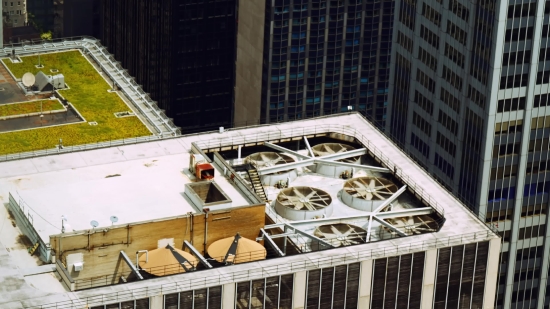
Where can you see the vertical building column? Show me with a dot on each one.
(228, 296)
(156, 302)
(491, 275)
(299, 291)
(365, 284)
(428, 282)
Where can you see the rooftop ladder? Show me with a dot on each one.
(256, 183)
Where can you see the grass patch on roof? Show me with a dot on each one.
(23, 108)
(87, 93)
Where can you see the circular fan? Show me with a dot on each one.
(370, 188)
(341, 234)
(304, 198)
(412, 225)
(267, 159)
(332, 148)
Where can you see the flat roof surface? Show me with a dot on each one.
(153, 174)
(134, 190)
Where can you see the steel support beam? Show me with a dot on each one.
(309, 147)
(391, 227)
(271, 243)
(391, 199)
(201, 258)
(132, 266)
(285, 167)
(368, 229)
(344, 155)
(358, 166)
(283, 149)
(405, 213)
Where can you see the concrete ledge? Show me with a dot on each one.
(37, 270)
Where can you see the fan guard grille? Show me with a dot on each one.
(267, 159)
(304, 198)
(332, 148)
(370, 188)
(341, 234)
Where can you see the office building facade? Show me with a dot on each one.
(182, 52)
(469, 97)
(326, 57)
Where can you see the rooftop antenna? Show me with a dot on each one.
(113, 219)
(94, 224)
(63, 220)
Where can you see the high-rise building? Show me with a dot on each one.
(77, 18)
(326, 57)
(185, 54)
(41, 14)
(233, 63)
(469, 97)
(15, 13)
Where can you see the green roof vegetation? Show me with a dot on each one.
(23, 108)
(87, 93)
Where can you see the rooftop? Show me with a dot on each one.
(102, 103)
(146, 182)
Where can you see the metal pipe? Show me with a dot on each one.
(205, 231)
(146, 257)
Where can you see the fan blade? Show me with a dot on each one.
(369, 196)
(335, 230)
(372, 184)
(311, 194)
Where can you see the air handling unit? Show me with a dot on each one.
(331, 170)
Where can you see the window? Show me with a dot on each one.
(423, 102)
(541, 100)
(450, 100)
(447, 122)
(422, 124)
(452, 78)
(404, 41)
(522, 10)
(422, 147)
(457, 33)
(513, 104)
(444, 166)
(476, 96)
(506, 149)
(459, 9)
(431, 14)
(425, 80)
(518, 80)
(519, 34)
(427, 59)
(519, 57)
(454, 55)
(508, 127)
(429, 36)
(446, 144)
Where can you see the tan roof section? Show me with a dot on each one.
(161, 262)
(247, 250)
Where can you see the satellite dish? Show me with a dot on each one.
(94, 223)
(28, 79)
(114, 219)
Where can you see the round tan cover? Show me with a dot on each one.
(247, 250)
(162, 262)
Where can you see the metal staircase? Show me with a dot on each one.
(256, 183)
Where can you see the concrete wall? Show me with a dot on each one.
(250, 45)
(101, 247)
